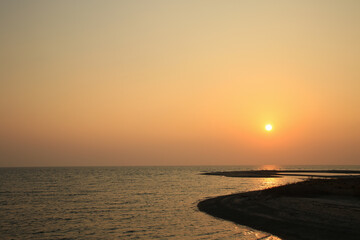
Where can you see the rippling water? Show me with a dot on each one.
(119, 203)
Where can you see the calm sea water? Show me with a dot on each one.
(121, 202)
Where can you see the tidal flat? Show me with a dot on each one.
(317, 208)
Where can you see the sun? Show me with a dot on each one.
(268, 127)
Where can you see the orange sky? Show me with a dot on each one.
(179, 82)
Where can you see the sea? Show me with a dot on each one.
(124, 202)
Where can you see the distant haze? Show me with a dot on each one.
(179, 82)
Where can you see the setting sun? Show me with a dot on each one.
(268, 127)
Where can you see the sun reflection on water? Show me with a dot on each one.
(269, 167)
(270, 182)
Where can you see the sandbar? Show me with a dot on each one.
(317, 208)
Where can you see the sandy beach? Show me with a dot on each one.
(312, 209)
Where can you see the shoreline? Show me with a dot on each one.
(282, 173)
(311, 209)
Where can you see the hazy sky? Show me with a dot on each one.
(179, 82)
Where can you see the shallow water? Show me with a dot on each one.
(121, 202)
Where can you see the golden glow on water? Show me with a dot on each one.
(139, 202)
(269, 167)
(270, 182)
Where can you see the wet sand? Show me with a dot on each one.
(313, 209)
